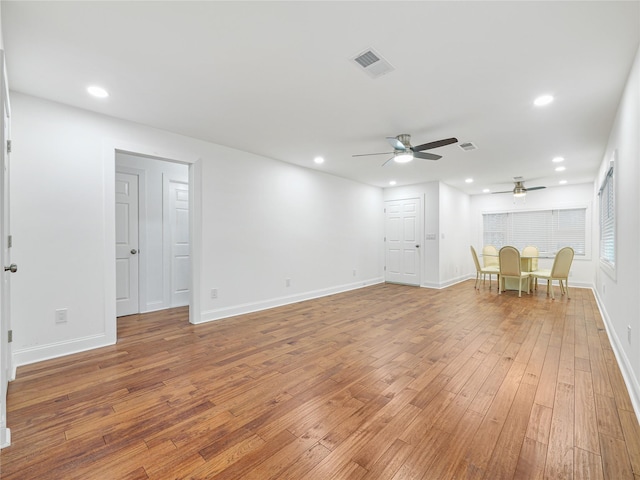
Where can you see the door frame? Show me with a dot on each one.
(419, 236)
(110, 149)
(7, 372)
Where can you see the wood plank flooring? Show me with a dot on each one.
(385, 382)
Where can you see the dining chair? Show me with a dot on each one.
(510, 267)
(483, 271)
(559, 271)
(490, 256)
(532, 252)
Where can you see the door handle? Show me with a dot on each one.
(133, 251)
(13, 268)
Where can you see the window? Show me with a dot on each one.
(607, 220)
(549, 230)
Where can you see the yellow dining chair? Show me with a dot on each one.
(490, 256)
(482, 271)
(510, 268)
(559, 271)
(531, 251)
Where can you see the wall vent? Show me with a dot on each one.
(467, 146)
(372, 63)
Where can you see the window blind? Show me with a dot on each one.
(607, 220)
(549, 230)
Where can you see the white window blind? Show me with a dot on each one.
(607, 221)
(549, 230)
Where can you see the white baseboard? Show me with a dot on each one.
(226, 312)
(630, 379)
(39, 353)
(5, 437)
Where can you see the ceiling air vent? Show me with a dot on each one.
(372, 63)
(467, 146)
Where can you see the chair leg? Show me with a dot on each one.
(520, 288)
(475, 285)
(566, 288)
(553, 297)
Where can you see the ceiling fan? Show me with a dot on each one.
(403, 152)
(519, 190)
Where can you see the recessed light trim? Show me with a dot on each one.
(557, 159)
(486, 190)
(543, 100)
(562, 182)
(97, 91)
(318, 160)
(392, 182)
(561, 168)
(468, 180)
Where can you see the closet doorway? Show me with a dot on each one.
(152, 234)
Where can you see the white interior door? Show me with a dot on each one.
(127, 264)
(179, 235)
(6, 369)
(402, 246)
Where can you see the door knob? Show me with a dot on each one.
(13, 268)
(417, 246)
(133, 251)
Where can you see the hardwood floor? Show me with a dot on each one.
(386, 382)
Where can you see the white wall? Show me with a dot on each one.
(618, 294)
(567, 196)
(257, 222)
(153, 267)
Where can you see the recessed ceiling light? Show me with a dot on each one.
(560, 169)
(469, 180)
(562, 182)
(543, 100)
(98, 92)
(392, 182)
(486, 190)
(558, 159)
(318, 160)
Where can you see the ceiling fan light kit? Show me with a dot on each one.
(519, 190)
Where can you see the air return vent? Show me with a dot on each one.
(372, 63)
(467, 146)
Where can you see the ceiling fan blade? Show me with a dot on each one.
(388, 160)
(426, 156)
(436, 144)
(395, 143)
(368, 154)
(534, 188)
(506, 191)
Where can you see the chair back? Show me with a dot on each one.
(531, 251)
(510, 262)
(490, 256)
(475, 258)
(562, 263)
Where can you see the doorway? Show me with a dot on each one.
(402, 228)
(153, 265)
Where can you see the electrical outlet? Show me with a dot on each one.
(629, 334)
(214, 293)
(287, 282)
(61, 315)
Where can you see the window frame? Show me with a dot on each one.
(608, 185)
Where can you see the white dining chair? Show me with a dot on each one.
(510, 267)
(559, 271)
(483, 271)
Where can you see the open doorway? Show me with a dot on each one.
(153, 265)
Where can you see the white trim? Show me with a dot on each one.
(630, 380)
(40, 353)
(242, 309)
(5, 438)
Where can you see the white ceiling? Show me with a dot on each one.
(275, 78)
